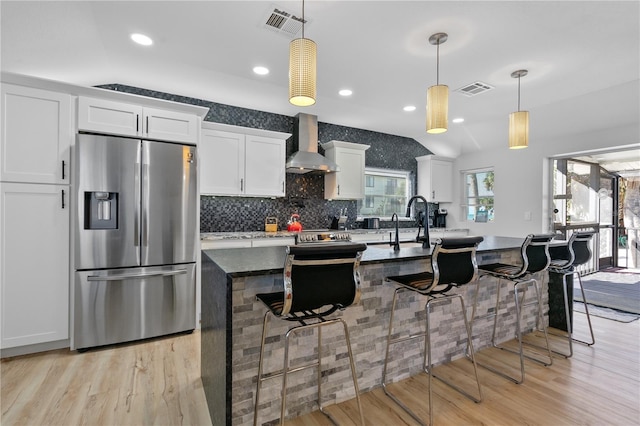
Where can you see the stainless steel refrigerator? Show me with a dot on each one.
(135, 239)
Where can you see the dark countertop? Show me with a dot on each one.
(270, 260)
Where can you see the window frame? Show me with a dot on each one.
(465, 204)
(393, 173)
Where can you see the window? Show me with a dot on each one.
(479, 195)
(386, 192)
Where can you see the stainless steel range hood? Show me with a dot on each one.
(307, 159)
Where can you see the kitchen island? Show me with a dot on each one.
(232, 325)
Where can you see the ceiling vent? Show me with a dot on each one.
(474, 89)
(283, 22)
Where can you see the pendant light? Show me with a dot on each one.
(438, 95)
(519, 120)
(302, 70)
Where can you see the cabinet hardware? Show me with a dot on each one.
(241, 184)
(338, 189)
(282, 186)
(433, 195)
(62, 193)
(137, 123)
(62, 169)
(147, 124)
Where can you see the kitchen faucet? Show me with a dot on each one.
(396, 244)
(425, 220)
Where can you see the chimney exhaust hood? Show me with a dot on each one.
(307, 159)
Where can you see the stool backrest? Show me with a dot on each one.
(322, 274)
(536, 252)
(579, 247)
(453, 261)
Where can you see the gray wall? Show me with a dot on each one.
(304, 193)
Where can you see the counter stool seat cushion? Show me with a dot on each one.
(503, 270)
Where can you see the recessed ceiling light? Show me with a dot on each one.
(458, 120)
(345, 92)
(141, 39)
(261, 70)
(409, 108)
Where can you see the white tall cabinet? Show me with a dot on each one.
(435, 178)
(348, 183)
(37, 132)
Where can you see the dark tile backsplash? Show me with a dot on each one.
(305, 193)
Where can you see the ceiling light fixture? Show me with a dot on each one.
(261, 70)
(519, 120)
(438, 95)
(458, 120)
(345, 92)
(142, 39)
(302, 70)
(409, 108)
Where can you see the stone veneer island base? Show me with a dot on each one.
(232, 326)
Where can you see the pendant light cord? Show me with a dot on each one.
(302, 18)
(518, 93)
(438, 63)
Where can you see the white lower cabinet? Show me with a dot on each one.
(34, 263)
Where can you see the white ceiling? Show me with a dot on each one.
(582, 57)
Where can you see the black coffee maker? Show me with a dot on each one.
(440, 218)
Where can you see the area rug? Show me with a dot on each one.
(607, 313)
(614, 290)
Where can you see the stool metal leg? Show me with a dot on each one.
(586, 309)
(427, 358)
(260, 366)
(568, 310)
(519, 302)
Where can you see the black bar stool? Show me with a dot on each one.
(318, 280)
(534, 258)
(453, 262)
(564, 261)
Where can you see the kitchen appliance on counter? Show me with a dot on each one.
(294, 224)
(440, 218)
(371, 223)
(134, 240)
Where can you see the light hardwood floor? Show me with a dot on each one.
(157, 382)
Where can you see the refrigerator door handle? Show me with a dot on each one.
(135, 276)
(136, 214)
(145, 213)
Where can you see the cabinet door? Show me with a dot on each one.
(441, 181)
(264, 166)
(348, 183)
(110, 117)
(221, 163)
(170, 125)
(34, 260)
(36, 135)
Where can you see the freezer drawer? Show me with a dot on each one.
(113, 306)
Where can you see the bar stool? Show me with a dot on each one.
(535, 258)
(453, 262)
(318, 279)
(564, 261)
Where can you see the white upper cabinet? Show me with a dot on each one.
(120, 118)
(242, 163)
(348, 183)
(435, 178)
(36, 135)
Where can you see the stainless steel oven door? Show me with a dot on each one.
(113, 306)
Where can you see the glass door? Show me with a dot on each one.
(576, 205)
(608, 212)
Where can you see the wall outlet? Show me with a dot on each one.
(527, 215)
